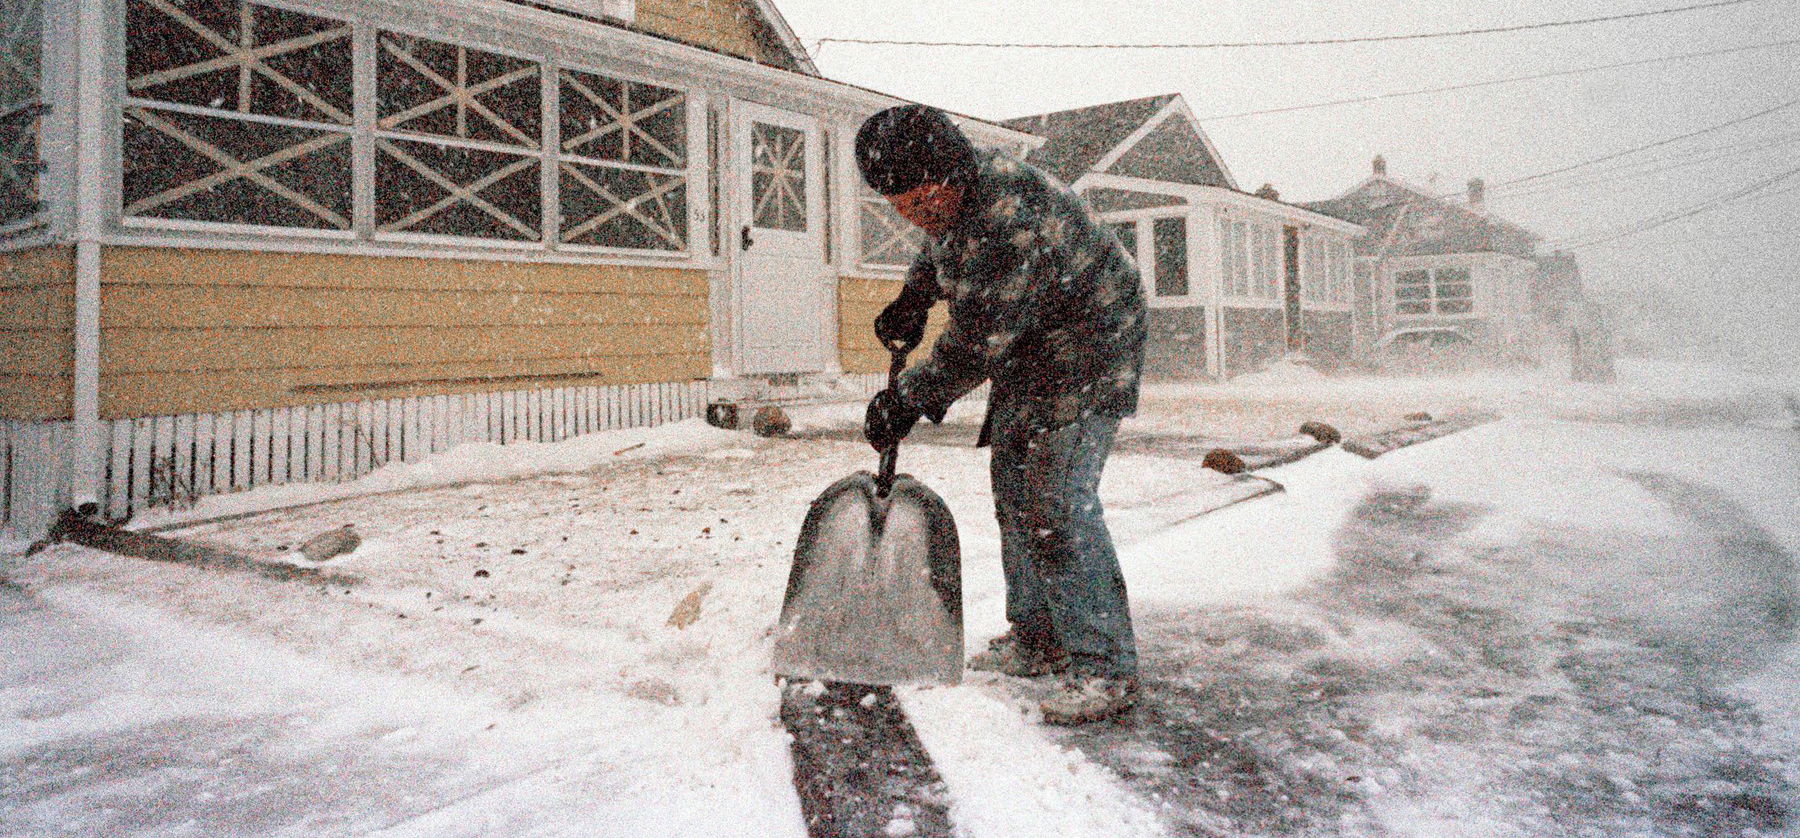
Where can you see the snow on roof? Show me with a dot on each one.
(1382, 201)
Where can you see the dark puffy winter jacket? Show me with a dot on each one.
(1043, 302)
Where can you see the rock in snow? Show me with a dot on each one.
(331, 543)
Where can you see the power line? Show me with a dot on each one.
(1647, 146)
(1776, 194)
(1624, 173)
(1624, 169)
(1687, 212)
(1296, 43)
(1492, 82)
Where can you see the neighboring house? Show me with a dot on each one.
(1235, 280)
(295, 240)
(1433, 266)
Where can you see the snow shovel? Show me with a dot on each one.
(875, 593)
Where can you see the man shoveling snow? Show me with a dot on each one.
(1044, 303)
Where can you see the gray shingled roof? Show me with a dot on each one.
(1077, 139)
(1437, 226)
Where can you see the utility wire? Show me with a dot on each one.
(1492, 82)
(820, 43)
(1617, 175)
(1647, 146)
(1776, 194)
(1686, 212)
(1626, 169)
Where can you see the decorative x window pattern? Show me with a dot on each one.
(450, 190)
(249, 114)
(609, 207)
(453, 111)
(777, 177)
(238, 113)
(448, 90)
(887, 239)
(623, 179)
(239, 57)
(186, 166)
(622, 121)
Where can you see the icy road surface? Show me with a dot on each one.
(1578, 620)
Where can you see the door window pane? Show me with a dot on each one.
(778, 177)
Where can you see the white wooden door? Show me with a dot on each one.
(782, 291)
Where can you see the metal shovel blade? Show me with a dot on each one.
(875, 593)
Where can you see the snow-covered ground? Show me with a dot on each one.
(1579, 619)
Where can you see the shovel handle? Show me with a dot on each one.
(890, 456)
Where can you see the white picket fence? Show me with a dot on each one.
(34, 468)
(174, 460)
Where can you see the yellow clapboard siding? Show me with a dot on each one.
(36, 397)
(876, 292)
(37, 336)
(37, 266)
(859, 301)
(38, 307)
(196, 330)
(147, 306)
(729, 26)
(150, 350)
(37, 352)
(238, 268)
(167, 393)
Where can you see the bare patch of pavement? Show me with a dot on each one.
(1572, 683)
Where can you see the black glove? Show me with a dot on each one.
(888, 420)
(901, 325)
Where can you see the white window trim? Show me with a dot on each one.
(1144, 221)
(1329, 293)
(1476, 310)
(26, 234)
(1251, 221)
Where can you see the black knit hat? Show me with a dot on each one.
(902, 147)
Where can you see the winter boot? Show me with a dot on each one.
(1007, 656)
(1089, 698)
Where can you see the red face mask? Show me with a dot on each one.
(932, 206)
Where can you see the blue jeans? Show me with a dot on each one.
(1063, 585)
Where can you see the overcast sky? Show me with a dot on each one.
(1735, 263)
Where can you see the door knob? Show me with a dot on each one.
(747, 241)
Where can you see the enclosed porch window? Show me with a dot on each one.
(240, 114)
(1434, 291)
(1250, 252)
(888, 240)
(21, 111)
